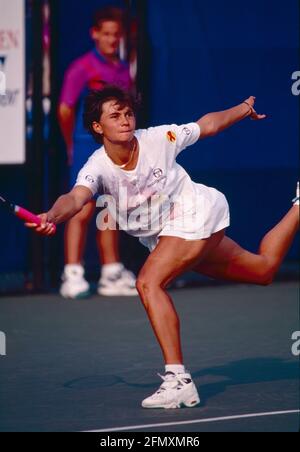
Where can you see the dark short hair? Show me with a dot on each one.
(94, 101)
(108, 14)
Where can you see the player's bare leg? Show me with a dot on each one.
(231, 262)
(171, 257)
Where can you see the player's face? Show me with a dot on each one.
(107, 37)
(117, 124)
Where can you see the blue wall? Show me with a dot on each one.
(208, 56)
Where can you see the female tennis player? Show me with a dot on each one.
(183, 223)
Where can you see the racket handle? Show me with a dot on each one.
(29, 217)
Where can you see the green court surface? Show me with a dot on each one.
(86, 365)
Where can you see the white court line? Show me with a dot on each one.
(197, 421)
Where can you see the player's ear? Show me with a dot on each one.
(97, 128)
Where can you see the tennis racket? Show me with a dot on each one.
(21, 213)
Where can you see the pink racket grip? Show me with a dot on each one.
(29, 217)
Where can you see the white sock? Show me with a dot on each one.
(73, 267)
(108, 270)
(175, 368)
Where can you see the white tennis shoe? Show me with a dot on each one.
(177, 391)
(74, 284)
(123, 283)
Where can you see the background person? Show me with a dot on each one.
(94, 70)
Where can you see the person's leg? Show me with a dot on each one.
(74, 283)
(108, 246)
(171, 257)
(231, 262)
(115, 279)
(75, 234)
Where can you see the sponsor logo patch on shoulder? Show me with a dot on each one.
(171, 136)
(187, 131)
(90, 179)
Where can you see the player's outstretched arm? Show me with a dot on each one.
(214, 123)
(64, 208)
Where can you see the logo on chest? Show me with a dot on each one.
(159, 176)
(158, 173)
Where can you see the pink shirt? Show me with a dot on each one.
(92, 71)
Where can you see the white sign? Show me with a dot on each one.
(12, 81)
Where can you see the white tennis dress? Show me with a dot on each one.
(158, 198)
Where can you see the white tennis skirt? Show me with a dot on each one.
(207, 214)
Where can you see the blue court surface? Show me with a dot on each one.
(86, 365)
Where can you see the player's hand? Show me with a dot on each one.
(46, 228)
(254, 115)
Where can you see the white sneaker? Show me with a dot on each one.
(176, 391)
(74, 284)
(123, 283)
(296, 201)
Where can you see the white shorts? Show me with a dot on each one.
(210, 215)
